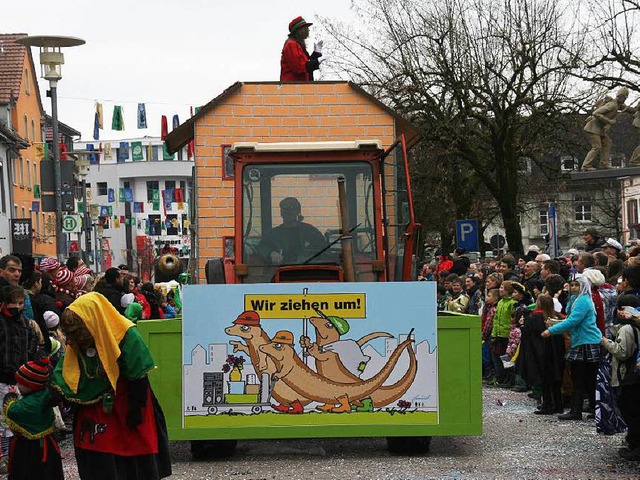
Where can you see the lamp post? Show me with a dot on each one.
(51, 60)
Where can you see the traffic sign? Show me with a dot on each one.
(498, 241)
(467, 234)
(71, 224)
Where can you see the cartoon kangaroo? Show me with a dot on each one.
(293, 372)
(247, 326)
(329, 362)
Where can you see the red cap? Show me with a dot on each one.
(248, 317)
(297, 23)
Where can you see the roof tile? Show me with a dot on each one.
(12, 57)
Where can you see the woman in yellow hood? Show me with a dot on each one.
(119, 428)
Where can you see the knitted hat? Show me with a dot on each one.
(297, 23)
(133, 312)
(283, 336)
(248, 317)
(534, 248)
(595, 277)
(82, 270)
(34, 374)
(127, 299)
(64, 277)
(80, 281)
(49, 264)
(51, 319)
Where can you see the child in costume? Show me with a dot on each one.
(34, 451)
(119, 427)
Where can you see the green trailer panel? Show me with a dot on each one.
(459, 378)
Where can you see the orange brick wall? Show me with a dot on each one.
(273, 113)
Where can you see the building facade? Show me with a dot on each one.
(138, 197)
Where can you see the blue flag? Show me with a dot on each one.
(111, 195)
(96, 127)
(142, 116)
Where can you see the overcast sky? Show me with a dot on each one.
(169, 55)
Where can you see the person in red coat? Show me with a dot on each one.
(296, 65)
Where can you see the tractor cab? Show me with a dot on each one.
(322, 211)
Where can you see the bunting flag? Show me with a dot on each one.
(80, 206)
(175, 121)
(128, 195)
(191, 146)
(136, 151)
(99, 115)
(104, 211)
(149, 153)
(117, 122)
(111, 195)
(36, 191)
(96, 127)
(35, 206)
(107, 150)
(137, 207)
(146, 226)
(164, 129)
(165, 152)
(110, 210)
(93, 158)
(155, 199)
(164, 202)
(121, 194)
(142, 116)
(116, 222)
(123, 151)
(177, 195)
(122, 218)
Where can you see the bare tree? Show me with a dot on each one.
(611, 26)
(487, 81)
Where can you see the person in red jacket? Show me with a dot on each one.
(296, 65)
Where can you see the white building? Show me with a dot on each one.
(139, 198)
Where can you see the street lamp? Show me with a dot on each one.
(51, 60)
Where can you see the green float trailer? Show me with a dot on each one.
(460, 395)
(358, 196)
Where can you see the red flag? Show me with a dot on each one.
(164, 203)
(177, 195)
(164, 129)
(190, 149)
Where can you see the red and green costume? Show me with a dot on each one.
(34, 453)
(119, 425)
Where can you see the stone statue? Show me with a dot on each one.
(597, 128)
(634, 161)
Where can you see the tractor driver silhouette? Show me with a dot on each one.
(294, 240)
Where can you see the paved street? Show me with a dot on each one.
(515, 444)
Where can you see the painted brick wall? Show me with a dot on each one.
(273, 113)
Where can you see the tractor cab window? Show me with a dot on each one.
(292, 217)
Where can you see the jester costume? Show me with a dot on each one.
(119, 428)
(34, 452)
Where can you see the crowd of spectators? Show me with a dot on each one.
(563, 330)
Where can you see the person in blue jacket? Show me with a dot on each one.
(584, 353)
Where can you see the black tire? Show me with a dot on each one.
(214, 271)
(408, 445)
(212, 449)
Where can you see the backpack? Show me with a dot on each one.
(632, 375)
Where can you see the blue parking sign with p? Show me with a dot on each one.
(467, 235)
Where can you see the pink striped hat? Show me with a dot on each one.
(49, 264)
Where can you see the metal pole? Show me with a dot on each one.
(60, 243)
(86, 222)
